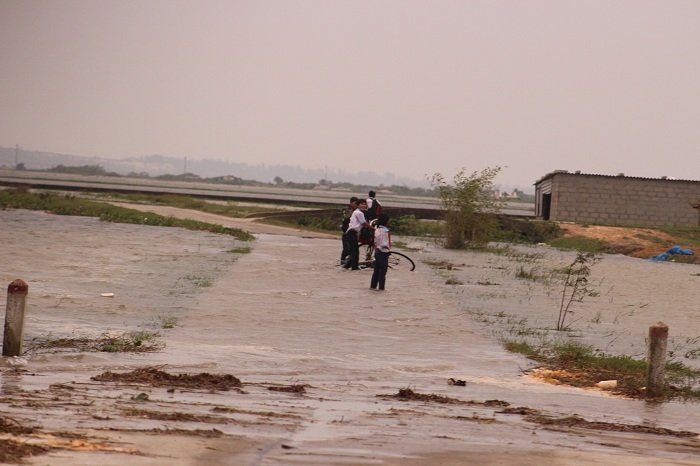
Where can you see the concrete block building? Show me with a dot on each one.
(617, 200)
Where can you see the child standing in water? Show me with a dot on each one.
(382, 248)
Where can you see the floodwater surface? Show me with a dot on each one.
(286, 315)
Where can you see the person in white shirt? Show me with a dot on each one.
(382, 249)
(357, 221)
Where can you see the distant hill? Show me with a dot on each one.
(157, 165)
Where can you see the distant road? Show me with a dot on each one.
(47, 180)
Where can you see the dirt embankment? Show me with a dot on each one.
(635, 242)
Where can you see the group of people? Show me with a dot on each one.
(358, 217)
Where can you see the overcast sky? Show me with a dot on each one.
(402, 86)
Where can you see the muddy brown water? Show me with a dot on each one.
(286, 315)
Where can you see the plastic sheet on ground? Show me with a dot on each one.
(672, 252)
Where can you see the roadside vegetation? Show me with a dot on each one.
(468, 208)
(581, 243)
(71, 205)
(580, 365)
(561, 358)
(228, 209)
(576, 285)
(405, 225)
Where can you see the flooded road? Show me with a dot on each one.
(285, 315)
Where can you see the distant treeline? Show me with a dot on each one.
(98, 170)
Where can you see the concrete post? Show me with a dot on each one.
(658, 340)
(14, 318)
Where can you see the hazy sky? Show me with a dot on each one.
(403, 86)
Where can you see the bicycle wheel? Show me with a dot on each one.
(400, 261)
(367, 252)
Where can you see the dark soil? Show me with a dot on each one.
(12, 426)
(13, 452)
(122, 343)
(207, 433)
(575, 421)
(174, 416)
(299, 389)
(156, 378)
(406, 394)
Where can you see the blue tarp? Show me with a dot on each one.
(673, 251)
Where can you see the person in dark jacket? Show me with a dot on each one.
(374, 207)
(347, 213)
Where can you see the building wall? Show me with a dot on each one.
(620, 200)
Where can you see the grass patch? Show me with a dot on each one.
(317, 223)
(309, 223)
(499, 250)
(409, 225)
(168, 322)
(442, 265)
(226, 208)
(522, 347)
(71, 205)
(453, 281)
(240, 250)
(527, 231)
(687, 236)
(581, 243)
(403, 245)
(200, 282)
(651, 238)
(579, 365)
(531, 273)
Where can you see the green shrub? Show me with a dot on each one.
(468, 208)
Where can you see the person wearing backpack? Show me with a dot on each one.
(374, 208)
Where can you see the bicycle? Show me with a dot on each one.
(397, 260)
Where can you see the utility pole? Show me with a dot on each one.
(16, 155)
(185, 172)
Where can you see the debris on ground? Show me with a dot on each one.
(157, 378)
(675, 250)
(299, 389)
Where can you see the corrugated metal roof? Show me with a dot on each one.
(619, 175)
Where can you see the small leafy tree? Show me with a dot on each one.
(468, 207)
(576, 284)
